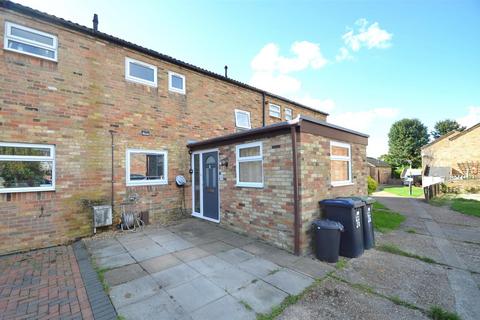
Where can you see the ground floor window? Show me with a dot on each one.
(26, 167)
(341, 163)
(250, 165)
(146, 167)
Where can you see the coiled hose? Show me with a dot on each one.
(131, 222)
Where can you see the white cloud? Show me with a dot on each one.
(343, 54)
(375, 122)
(281, 84)
(326, 105)
(472, 118)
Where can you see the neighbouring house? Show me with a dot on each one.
(87, 118)
(411, 174)
(380, 171)
(453, 155)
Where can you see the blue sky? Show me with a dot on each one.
(400, 58)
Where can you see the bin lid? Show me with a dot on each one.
(328, 224)
(342, 202)
(364, 199)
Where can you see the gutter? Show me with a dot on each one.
(296, 200)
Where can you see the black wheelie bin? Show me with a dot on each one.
(327, 239)
(367, 221)
(349, 213)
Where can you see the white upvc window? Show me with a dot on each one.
(30, 41)
(340, 163)
(176, 82)
(146, 167)
(26, 167)
(288, 114)
(141, 72)
(242, 119)
(249, 165)
(274, 111)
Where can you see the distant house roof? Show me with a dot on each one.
(452, 135)
(377, 163)
(410, 172)
(112, 39)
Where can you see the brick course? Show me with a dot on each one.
(73, 103)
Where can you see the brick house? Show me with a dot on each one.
(380, 171)
(455, 154)
(89, 118)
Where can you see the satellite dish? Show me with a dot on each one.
(180, 181)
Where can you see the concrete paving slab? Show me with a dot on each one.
(224, 308)
(175, 276)
(191, 254)
(469, 253)
(165, 237)
(124, 274)
(336, 300)
(311, 267)
(280, 257)
(257, 248)
(461, 233)
(108, 251)
(215, 247)
(409, 279)
(237, 240)
(160, 263)
(235, 256)
(133, 291)
(195, 293)
(157, 307)
(259, 267)
(93, 243)
(148, 252)
(115, 261)
(177, 245)
(289, 281)
(260, 296)
(130, 236)
(209, 265)
(138, 243)
(231, 279)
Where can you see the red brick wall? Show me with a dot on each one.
(73, 103)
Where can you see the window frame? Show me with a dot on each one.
(50, 158)
(133, 183)
(270, 105)
(237, 112)
(172, 88)
(8, 36)
(290, 113)
(128, 77)
(341, 158)
(248, 159)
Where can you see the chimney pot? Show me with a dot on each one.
(95, 22)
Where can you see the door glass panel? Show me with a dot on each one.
(196, 182)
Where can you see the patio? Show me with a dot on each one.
(198, 270)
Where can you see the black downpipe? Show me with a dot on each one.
(263, 109)
(112, 171)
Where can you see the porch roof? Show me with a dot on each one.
(302, 123)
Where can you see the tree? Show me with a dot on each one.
(405, 139)
(444, 127)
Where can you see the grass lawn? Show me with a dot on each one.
(404, 191)
(385, 220)
(465, 206)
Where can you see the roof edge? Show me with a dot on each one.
(333, 126)
(9, 5)
(446, 135)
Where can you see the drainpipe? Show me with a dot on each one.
(296, 202)
(263, 109)
(112, 172)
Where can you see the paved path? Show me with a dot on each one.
(42, 284)
(452, 235)
(197, 270)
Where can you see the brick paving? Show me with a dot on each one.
(43, 284)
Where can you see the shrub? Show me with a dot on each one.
(372, 185)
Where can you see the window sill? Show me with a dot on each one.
(18, 190)
(177, 91)
(144, 184)
(255, 186)
(342, 184)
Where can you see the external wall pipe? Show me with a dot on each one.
(112, 169)
(263, 110)
(296, 202)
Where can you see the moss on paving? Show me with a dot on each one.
(341, 263)
(437, 313)
(101, 275)
(391, 248)
(384, 219)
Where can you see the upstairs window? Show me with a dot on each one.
(146, 167)
(288, 114)
(30, 41)
(176, 82)
(140, 72)
(274, 111)
(250, 165)
(242, 119)
(341, 163)
(26, 167)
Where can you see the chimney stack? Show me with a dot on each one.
(95, 22)
(226, 71)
